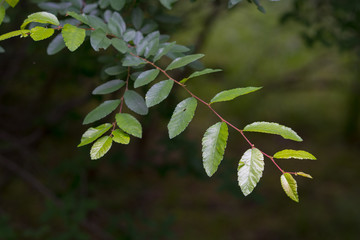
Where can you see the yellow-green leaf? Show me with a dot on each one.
(100, 147)
(298, 154)
(129, 124)
(73, 36)
(120, 136)
(41, 17)
(22, 33)
(289, 185)
(41, 33)
(233, 93)
(94, 133)
(12, 3)
(2, 14)
(304, 175)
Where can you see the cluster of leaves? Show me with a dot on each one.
(144, 53)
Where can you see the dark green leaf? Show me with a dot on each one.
(135, 102)
(182, 61)
(158, 92)
(131, 61)
(289, 185)
(82, 18)
(120, 45)
(213, 146)
(298, 154)
(99, 40)
(250, 170)
(137, 17)
(182, 116)
(41, 33)
(97, 23)
(146, 77)
(273, 128)
(100, 147)
(121, 137)
(116, 24)
(109, 87)
(114, 70)
(129, 124)
(164, 50)
(2, 50)
(94, 133)
(167, 3)
(101, 111)
(56, 45)
(129, 35)
(117, 4)
(41, 17)
(233, 93)
(73, 36)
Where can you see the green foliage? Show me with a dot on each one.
(289, 185)
(233, 93)
(12, 3)
(134, 41)
(250, 169)
(213, 146)
(273, 128)
(182, 116)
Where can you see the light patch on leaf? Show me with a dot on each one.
(289, 185)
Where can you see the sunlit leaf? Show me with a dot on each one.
(100, 147)
(298, 154)
(73, 36)
(304, 174)
(213, 146)
(200, 73)
(41, 33)
(273, 128)
(289, 185)
(41, 17)
(121, 137)
(182, 61)
(12, 3)
(22, 33)
(233, 93)
(101, 111)
(158, 92)
(135, 102)
(129, 124)
(250, 170)
(182, 116)
(94, 133)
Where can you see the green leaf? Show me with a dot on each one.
(273, 128)
(2, 50)
(56, 45)
(232, 3)
(23, 33)
(2, 13)
(146, 77)
(109, 87)
(73, 36)
(158, 92)
(135, 102)
(250, 170)
(101, 111)
(120, 45)
(199, 73)
(100, 147)
(137, 18)
(120, 136)
(298, 154)
(94, 133)
(233, 93)
(182, 61)
(12, 3)
(117, 4)
(82, 18)
(97, 23)
(116, 24)
(213, 146)
(114, 70)
(167, 3)
(41, 33)
(131, 61)
(164, 50)
(129, 124)
(304, 174)
(182, 116)
(289, 185)
(99, 40)
(41, 17)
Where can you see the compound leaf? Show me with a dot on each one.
(94, 133)
(41, 33)
(273, 128)
(135, 102)
(101, 111)
(213, 146)
(289, 185)
(120, 136)
(158, 92)
(182, 61)
(109, 87)
(100, 147)
(146, 77)
(41, 17)
(233, 93)
(298, 154)
(129, 124)
(250, 170)
(73, 36)
(182, 116)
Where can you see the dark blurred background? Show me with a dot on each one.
(306, 55)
